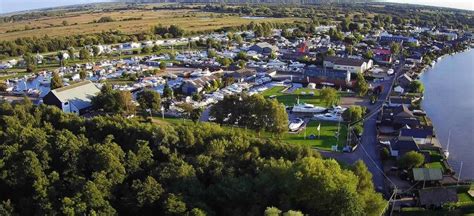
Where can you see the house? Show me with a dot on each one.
(436, 197)
(415, 58)
(348, 64)
(75, 98)
(395, 117)
(398, 89)
(422, 136)
(395, 101)
(196, 85)
(242, 74)
(399, 147)
(324, 76)
(388, 38)
(263, 48)
(404, 80)
(382, 56)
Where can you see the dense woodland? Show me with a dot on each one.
(54, 163)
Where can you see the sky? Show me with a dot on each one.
(459, 4)
(7, 6)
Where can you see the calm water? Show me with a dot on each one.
(7, 6)
(449, 102)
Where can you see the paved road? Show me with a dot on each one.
(368, 149)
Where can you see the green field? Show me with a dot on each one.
(305, 95)
(325, 141)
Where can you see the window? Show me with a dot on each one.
(66, 103)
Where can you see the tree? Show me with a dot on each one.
(411, 160)
(146, 50)
(30, 62)
(361, 86)
(60, 56)
(56, 81)
(95, 51)
(82, 74)
(272, 211)
(71, 52)
(331, 52)
(329, 96)
(147, 192)
(353, 113)
(155, 48)
(125, 102)
(197, 97)
(162, 65)
(369, 54)
(84, 54)
(149, 100)
(416, 86)
(395, 48)
(167, 92)
(225, 62)
(196, 114)
(174, 205)
(211, 53)
(273, 55)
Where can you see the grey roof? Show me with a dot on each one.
(344, 61)
(326, 73)
(417, 132)
(79, 94)
(404, 146)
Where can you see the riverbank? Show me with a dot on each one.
(449, 102)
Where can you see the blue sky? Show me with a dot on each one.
(460, 4)
(7, 6)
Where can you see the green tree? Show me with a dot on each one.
(368, 55)
(146, 50)
(331, 52)
(149, 100)
(417, 86)
(56, 81)
(196, 114)
(361, 86)
(30, 62)
(147, 192)
(84, 54)
(167, 92)
(174, 205)
(95, 51)
(395, 48)
(211, 53)
(272, 211)
(411, 160)
(162, 65)
(71, 52)
(329, 96)
(82, 74)
(353, 113)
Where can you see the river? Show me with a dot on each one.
(449, 102)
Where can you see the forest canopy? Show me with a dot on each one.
(56, 163)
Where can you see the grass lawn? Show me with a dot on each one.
(464, 197)
(305, 95)
(436, 161)
(326, 140)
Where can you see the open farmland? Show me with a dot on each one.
(131, 21)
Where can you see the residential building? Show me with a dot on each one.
(196, 85)
(75, 98)
(348, 64)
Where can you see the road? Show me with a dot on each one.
(368, 150)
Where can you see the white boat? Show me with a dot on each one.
(390, 71)
(295, 124)
(446, 151)
(308, 108)
(328, 117)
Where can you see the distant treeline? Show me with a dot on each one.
(250, 2)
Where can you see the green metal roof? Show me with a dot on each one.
(427, 174)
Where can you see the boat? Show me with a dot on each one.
(295, 124)
(308, 108)
(446, 151)
(328, 117)
(46, 81)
